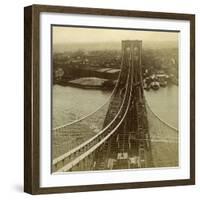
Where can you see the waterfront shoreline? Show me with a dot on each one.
(96, 83)
(90, 83)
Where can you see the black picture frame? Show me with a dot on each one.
(32, 100)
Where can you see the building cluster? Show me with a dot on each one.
(105, 64)
(102, 64)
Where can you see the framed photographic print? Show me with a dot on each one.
(109, 99)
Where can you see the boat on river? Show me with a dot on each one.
(155, 85)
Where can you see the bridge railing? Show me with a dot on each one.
(71, 158)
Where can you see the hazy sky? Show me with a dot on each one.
(73, 34)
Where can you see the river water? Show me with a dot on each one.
(71, 103)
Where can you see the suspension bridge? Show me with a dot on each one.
(124, 133)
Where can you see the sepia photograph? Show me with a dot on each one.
(109, 99)
(114, 98)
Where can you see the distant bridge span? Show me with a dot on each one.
(123, 133)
